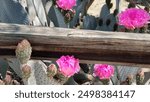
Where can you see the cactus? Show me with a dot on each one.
(140, 78)
(39, 73)
(1, 82)
(23, 51)
(105, 81)
(8, 78)
(51, 70)
(3, 68)
(26, 70)
(128, 81)
(60, 77)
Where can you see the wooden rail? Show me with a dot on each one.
(87, 45)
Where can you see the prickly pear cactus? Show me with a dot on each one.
(23, 51)
(39, 73)
(90, 14)
(26, 71)
(51, 70)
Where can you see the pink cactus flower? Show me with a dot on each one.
(133, 18)
(66, 4)
(103, 71)
(68, 65)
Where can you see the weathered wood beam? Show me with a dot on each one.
(88, 45)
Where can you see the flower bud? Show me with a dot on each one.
(129, 79)
(8, 78)
(140, 77)
(1, 82)
(26, 70)
(51, 70)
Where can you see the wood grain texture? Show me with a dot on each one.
(87, 45)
